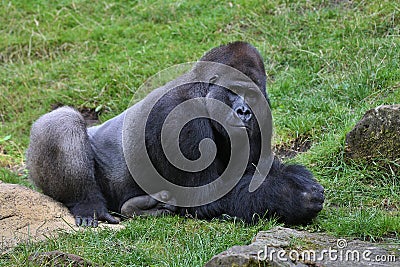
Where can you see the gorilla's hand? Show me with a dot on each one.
(89, 214)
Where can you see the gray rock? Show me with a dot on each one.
(376, 135)
(287, 247)
(58, 258)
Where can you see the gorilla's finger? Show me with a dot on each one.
(86, 222)
(78, 220)
(109, 218)
(94, 223)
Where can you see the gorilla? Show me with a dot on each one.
(198, 146)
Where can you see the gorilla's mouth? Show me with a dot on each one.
(314, 198)
(318, 206)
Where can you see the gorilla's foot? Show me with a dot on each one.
(89, 214)
(148, 205)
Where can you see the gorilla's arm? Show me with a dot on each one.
(289, 192)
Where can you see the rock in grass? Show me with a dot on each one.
(288, 247)
(376, 135)
(58, 258)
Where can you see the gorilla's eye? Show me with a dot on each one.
(252, 96)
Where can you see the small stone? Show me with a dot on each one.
(58, 258)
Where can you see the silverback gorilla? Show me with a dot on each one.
(103, 169)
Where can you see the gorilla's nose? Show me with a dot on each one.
(244, 113)
(318, 193)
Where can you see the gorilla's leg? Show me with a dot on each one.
(60, 162)
(148, 205)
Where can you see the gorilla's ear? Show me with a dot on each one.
(212, 81)
(206, 71)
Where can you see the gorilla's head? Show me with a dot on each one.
(241, 86)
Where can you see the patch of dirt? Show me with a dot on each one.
(29, 216)
(26, 215)
(89, 114)
(289, 150)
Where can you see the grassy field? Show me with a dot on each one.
(327, 61)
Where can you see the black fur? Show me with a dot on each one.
(86, 169)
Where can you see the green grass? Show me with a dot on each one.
(170, 241)
(327, 63)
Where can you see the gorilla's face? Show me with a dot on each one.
(309, 199)
(241, 104)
